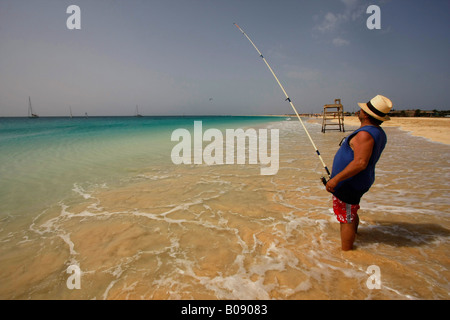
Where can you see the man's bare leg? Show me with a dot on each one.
(348, 234)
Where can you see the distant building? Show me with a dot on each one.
(413, 113)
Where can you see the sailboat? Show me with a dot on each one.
(137, 112)
(30, 110)
(70, 110)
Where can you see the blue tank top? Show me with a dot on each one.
(352, 189)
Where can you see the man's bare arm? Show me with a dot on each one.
(362, 144)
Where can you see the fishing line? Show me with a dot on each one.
(324, 180)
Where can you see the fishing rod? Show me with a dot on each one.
(324, 180)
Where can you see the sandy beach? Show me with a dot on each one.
(107, 199)
(435, 129)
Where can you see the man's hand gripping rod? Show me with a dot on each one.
(324, 180)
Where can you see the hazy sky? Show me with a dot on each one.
(186, 57)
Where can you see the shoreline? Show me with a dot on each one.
(434, 129)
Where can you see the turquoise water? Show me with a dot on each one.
(41, 160)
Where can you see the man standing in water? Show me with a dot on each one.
(353, 170)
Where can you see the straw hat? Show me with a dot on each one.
(378, 107)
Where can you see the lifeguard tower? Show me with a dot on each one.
(333, 112)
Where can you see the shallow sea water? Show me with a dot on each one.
(140, 227)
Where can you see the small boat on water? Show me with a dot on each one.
(30, 110)
(137, 112)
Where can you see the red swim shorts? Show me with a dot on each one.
(345, 213)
